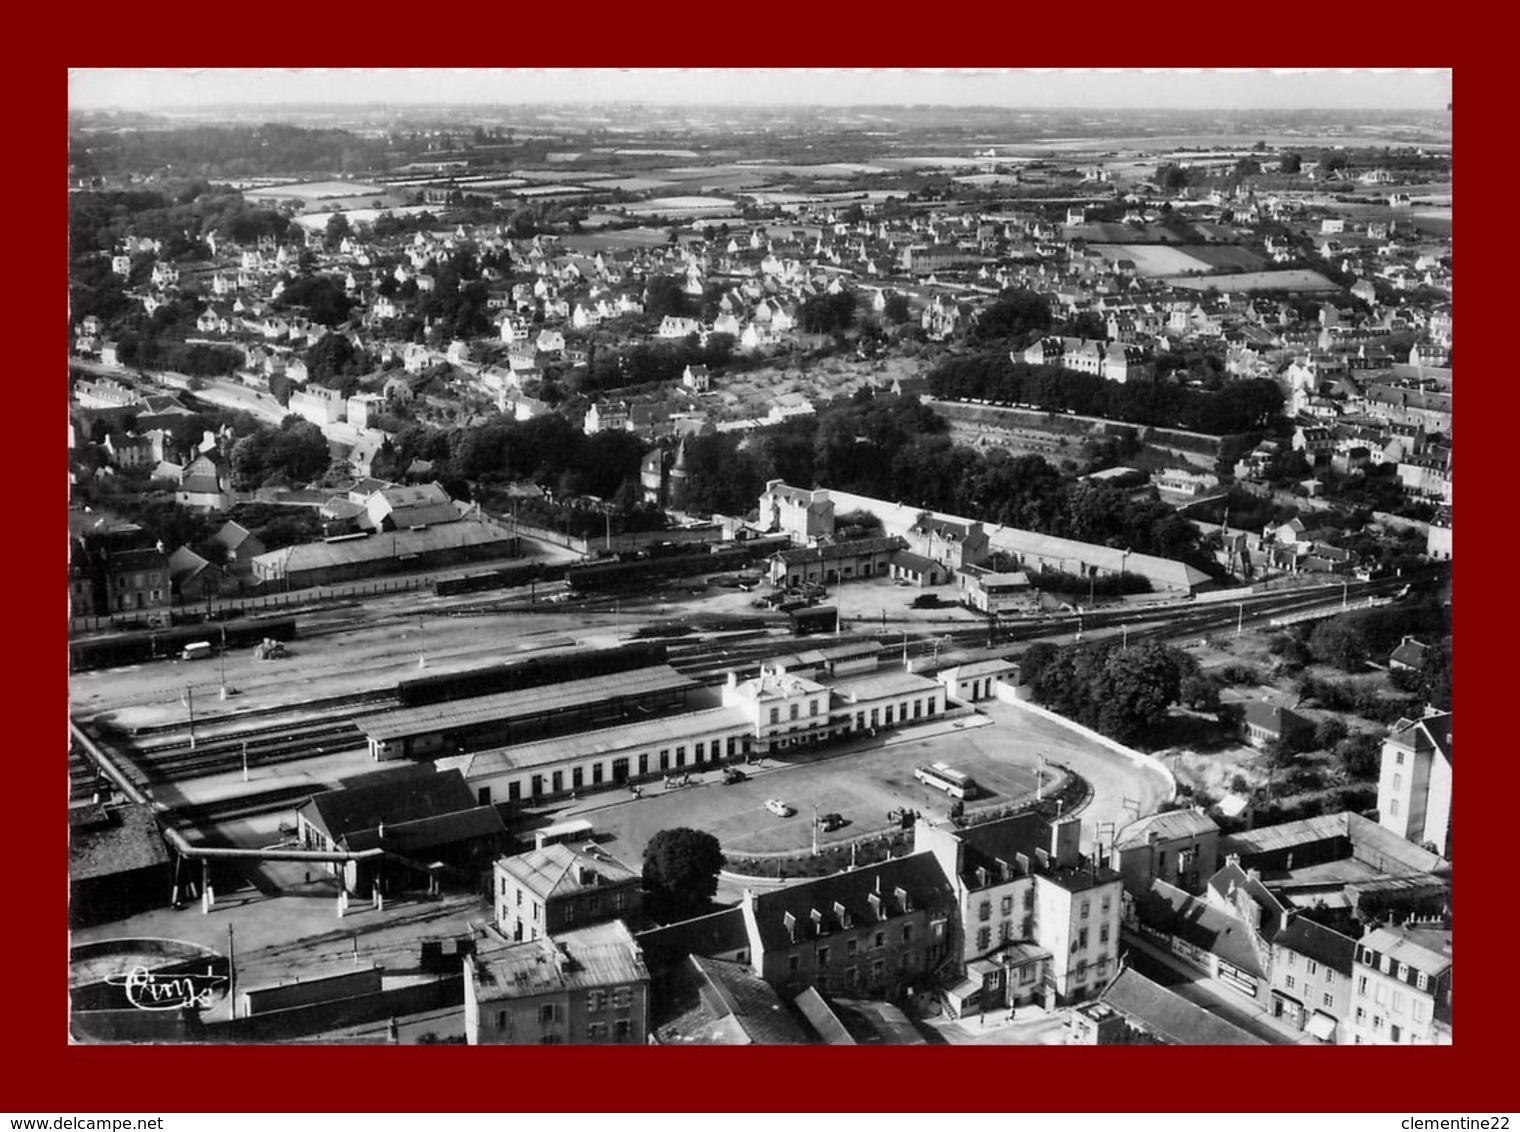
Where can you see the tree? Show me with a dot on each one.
(681, 869)
(1359, 755)
(1017, 314)
(896, 309)
(1291, 163)
(299, 450)
(1339, 641)
(1330, 731)
(337, 231)
(663, 295)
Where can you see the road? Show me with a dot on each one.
(226, 393)
(1203, 991)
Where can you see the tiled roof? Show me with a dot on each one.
(1168, 909)
(918, 875)
(720, 933)
(558, 870)
(599, 956)
(853, 548)
(1170, 1016)
(715, 1002)
(394, 801)
(1168, 826)
(1317, 942)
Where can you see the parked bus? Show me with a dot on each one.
(564, 833)
(945, 778)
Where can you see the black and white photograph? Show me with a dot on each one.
(732, 557)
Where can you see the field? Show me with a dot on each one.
(636, 184)
(617, 241)
(1291, 280)
(688, 203)
(1227, 255)
(1155, 259)
(315, 190)
(318, 220)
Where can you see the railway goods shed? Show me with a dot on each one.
(531, 713)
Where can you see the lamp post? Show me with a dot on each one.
(190, 703)
(245, 760)
(421, 646)
(1240, 622)
(1345, 592)
(222, 657)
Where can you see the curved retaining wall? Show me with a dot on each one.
(1139, 758)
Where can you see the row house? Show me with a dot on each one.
(953, 545)
(319, 405)
(870, 932)
(559, 887)
(587, 986)
(606, 416)
(1036, 920)
(1402, 986)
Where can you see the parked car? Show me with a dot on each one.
(778, 807)
(830, 822)
(732, 774)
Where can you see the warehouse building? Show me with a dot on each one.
(346, 558)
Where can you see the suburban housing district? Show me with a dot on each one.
(542, 578)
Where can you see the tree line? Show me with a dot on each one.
(896, 448)
(1121, 692)
(1252, 403)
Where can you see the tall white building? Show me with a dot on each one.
(1414, 785)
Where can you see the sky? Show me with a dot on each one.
(1192, 89)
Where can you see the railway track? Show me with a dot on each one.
(333, 707)
(179, 762)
